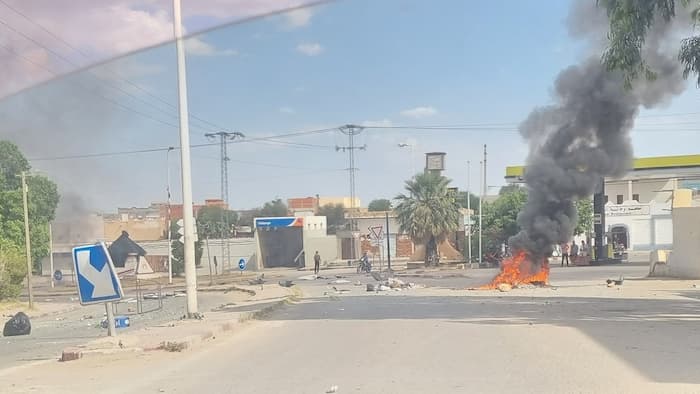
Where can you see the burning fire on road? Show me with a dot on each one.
(520, 270)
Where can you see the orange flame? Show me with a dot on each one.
(518, 270)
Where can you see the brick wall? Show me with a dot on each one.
(404, 246)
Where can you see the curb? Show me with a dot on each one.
(186, 342)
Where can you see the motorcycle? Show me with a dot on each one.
(364, 266)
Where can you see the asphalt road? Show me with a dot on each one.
(429, 340)
(52, 333)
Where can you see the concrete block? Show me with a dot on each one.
(71, 354)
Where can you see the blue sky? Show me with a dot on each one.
(363, 62)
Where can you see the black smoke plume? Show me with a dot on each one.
(584, 136)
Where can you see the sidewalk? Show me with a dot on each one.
(185, 334)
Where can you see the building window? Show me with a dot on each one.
(620, 199)
(635, 197)
(606, 198)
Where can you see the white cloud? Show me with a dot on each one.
(298, 18)
(198, 47)
(287, 110)
(419, 112)
(377, 123)
(310, 49)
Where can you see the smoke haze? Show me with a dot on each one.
(584, 136)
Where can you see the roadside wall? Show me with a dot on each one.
(685, 258)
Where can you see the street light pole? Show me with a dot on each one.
(186, 165)
(53, 284)
(170, 219)
(413, 164)
(469, 214)
(481, 216)
(27, 242)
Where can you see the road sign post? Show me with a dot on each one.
(97, 279)
(241, 265)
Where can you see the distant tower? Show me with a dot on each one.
(435, 162)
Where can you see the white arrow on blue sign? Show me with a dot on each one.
(97, 279)
(241, 264)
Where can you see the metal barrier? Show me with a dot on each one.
(148, 295)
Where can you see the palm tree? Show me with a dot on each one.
(430, 212)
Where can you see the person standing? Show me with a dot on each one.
(573, 254)
(565, 254)
(317, 263)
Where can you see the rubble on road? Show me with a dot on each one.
(504, 287)
(308, 277)
(339, 282)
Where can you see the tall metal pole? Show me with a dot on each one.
(388, 244)
(53, 283)
(481, 216)
(351, 131)
(170, 219)
(187, 209)
(27, 242)
(486, 188)
(469, 214)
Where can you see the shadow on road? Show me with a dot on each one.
(659, 338)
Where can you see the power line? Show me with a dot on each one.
(163, 149)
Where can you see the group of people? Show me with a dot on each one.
(570, 252)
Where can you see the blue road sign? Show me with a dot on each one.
(58, 275)
(97, 278)
(241, 264)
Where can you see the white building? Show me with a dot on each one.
(638, 209)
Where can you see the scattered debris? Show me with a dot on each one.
(376, 276)
(152, 296)
(504, 287)
(332, 389)
(307, 277)
(257, 281)
(337, 290)
(173, 346)
(121, 345)
(611, 284)
(358, 283)
(383, 288)
(286, 283)
(223, 307)
(370, 287)
(87, 317)
(340, 281)
(339, 277)
(19, 324)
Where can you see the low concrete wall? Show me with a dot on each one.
(685, 258)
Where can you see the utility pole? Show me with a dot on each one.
(388, 244)
(486, 188)
(170, 218)
(27, 242)
(469, 214)
(186, 163)
(53, 283)
(481, 216)
(351, 131)
(224, 137)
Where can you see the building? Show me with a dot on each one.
(638, 209)
(302, 206)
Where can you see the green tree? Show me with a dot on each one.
(335, 217)
(381, 204)
(13, 269)
(584, 208)
(42, 196)
(630, 22)
(500, 217)
(273, 208)
(178, 250)
(473, 200)
(430, 212)
(215, 222)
